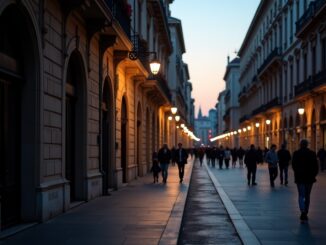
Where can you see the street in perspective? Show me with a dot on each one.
(168, 122)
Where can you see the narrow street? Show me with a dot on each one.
(205, 220)
(273, 214)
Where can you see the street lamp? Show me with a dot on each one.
(301, 111)
(244, 129)
(249, 128)
(239, 130)
(257, 125)
(177, 118)
(268, 122)
(155, 66)
(174, 110)
(170, 118)
(182, 125)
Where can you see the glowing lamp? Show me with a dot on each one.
(301, 111)
(155, 66)
(174, 110)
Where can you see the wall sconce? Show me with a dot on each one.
(170, 118)
(177, 118)
(257, 125)
(268, 122)
(235, 132)
(244, 129)
(182, 125)
(239, 130)
(249, 128)
(174, 110)
(301, 111)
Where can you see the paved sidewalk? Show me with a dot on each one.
(272, 214)
(137, 214)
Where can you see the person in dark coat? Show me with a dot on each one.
(305, 167)
(234, 157)
(241, 152)
(213, 156)
(251, 161)
(155, 167)
(201, 153)
(220, 156)
(164, 157)
(181, 159)
(284, 158)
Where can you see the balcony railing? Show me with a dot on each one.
(121, 12)
(244, 118)
(271, 104)
(309, 14)
(273, 56)
(311, 83)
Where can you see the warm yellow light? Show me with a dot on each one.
(239, 130)
(182, 125)
(155, 66)
(170, 118)
(249, 127)
(174, 110)
(257, 125)
(178, 126)
(267, 138)
(177, 118)
(244, 129)
(301, 111)
(235, 132)
(268, 122)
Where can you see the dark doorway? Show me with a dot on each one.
(124, 121)
(10, 142)
(75, 129)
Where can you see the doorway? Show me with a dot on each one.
(124, 121)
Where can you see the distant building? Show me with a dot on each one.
(205, 127)
(232, 89)
(221, 112)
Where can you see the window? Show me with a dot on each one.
(291, 24)
(291, 81)
(323, 55)
(298, 71)
(313, 62)
(285, 32)
(305, 66)
(298, 10)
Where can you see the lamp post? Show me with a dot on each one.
(257, 134)
(268, 122)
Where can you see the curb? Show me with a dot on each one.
(171, 232)
(246, 235)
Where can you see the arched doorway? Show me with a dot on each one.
(148, 135)
(124, 121)
(107, 137)
(139, 141)
(313, 131)
(322, 121)
(19, 117)
(75, 127)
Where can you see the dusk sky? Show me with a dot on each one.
(213, 29)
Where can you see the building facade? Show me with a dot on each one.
(232, 89)
(205, 127)
(282, 69)
(79, 114)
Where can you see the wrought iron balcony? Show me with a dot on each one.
(273, 57)
(311, 13)
(244, 118)
(276, 102)
(313, 82)
(121, 12)
(303, 87)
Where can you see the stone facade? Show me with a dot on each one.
(85, 118)
(282, 69)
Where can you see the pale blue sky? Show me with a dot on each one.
(212, 29)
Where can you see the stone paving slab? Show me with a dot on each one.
(141, 213)
(272, 214)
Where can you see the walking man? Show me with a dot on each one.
(251, 160)
(272, 160)
(241, 152)
(305, 167)
(284, 158)
(164, 157)
(181, 159)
